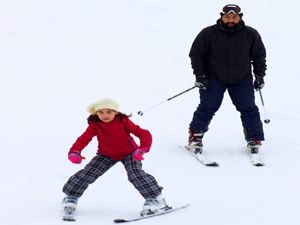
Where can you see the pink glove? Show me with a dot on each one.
(75, 157)
(138, 154)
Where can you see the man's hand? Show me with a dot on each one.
(259, 83)
(201, 82)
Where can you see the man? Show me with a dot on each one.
(221, 57)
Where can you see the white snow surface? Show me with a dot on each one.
(58, 56)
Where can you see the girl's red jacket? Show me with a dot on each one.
(114, 139)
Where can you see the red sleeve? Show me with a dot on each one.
(144, 135)
(84, 139)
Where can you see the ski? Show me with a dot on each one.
(69, 218)
(202, 158)
(255, 157)
(69, 214)
(169, 210)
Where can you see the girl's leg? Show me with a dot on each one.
(142, 181)
(79, 182)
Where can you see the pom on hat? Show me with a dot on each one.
(105, 103)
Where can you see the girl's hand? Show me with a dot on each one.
(75, 157)
(138, 154)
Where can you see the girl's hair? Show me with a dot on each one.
(95, 118)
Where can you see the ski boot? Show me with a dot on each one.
(253, 145)
(69, 207)
(154, 205)
(195, 142)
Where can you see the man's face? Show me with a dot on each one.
(231, 19)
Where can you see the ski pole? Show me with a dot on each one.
(154, 106)
(263, 106)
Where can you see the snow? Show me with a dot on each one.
(57, 57)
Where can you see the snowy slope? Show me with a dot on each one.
(56, 57)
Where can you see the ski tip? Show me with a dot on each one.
(119, 220)
(186, 205)
(69, 219)
(213, 164)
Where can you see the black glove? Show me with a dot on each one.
(259, 83)
(201, 82)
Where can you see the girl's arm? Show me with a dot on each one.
(144, 135)
(84, 139)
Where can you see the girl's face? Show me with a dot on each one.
(106, 115)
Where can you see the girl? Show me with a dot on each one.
(113, 130)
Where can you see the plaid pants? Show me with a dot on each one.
(143, 182)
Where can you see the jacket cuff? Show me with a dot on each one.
(74, 151)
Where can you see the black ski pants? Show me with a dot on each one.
(242, 96)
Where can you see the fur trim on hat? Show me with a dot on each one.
(105, 103)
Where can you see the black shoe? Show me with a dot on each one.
(195, 142)
(254, 144)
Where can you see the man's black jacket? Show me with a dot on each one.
(227, 54)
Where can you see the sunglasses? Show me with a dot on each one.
(231, 9)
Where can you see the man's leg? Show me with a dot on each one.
(210, 101)
(242, 96)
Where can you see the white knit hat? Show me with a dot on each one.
(104, 103)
